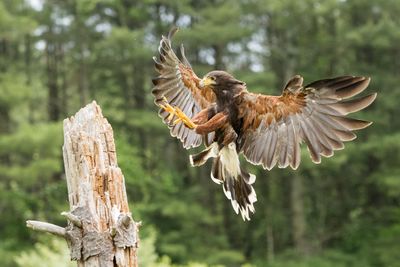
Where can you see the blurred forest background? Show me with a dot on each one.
(57, 56)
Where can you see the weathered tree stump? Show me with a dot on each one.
(100, 229)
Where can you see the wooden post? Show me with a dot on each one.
(100, 231)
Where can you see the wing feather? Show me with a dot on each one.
(178, 83)
(271, 150)
(283, 138)
(354, 105)
(351, 124)
(274, 126)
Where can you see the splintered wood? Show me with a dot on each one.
(96, 193)
(100, 231)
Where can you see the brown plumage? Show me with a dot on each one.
(268, 130)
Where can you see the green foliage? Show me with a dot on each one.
(51, 254)
(329, 258)
(14, 24)
(57, 57)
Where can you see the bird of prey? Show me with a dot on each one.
(220, 112)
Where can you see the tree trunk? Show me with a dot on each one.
(218, 65)
(52, 77)
(298, 216)
(100, 231)
(269, 219)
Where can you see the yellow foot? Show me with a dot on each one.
(175, 111)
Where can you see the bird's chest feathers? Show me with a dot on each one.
(226, 102)
(224, 98)
(229, 107)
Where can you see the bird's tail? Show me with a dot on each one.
(226, 170)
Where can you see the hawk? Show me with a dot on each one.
(220, 112)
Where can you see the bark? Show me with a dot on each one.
(100, 231)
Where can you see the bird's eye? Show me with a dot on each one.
(212, 78)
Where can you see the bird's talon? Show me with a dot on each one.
(176, 111)
(177, 121)
(170, 116)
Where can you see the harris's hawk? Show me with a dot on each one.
(220, 112)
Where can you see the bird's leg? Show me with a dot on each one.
(216, 122)
(201, 117)
(175, 111)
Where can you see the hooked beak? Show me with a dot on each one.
(206, 81)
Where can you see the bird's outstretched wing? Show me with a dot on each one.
(178, 83)
(274, 126)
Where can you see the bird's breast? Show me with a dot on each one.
(232, 129)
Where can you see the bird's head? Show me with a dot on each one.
(220, 82)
